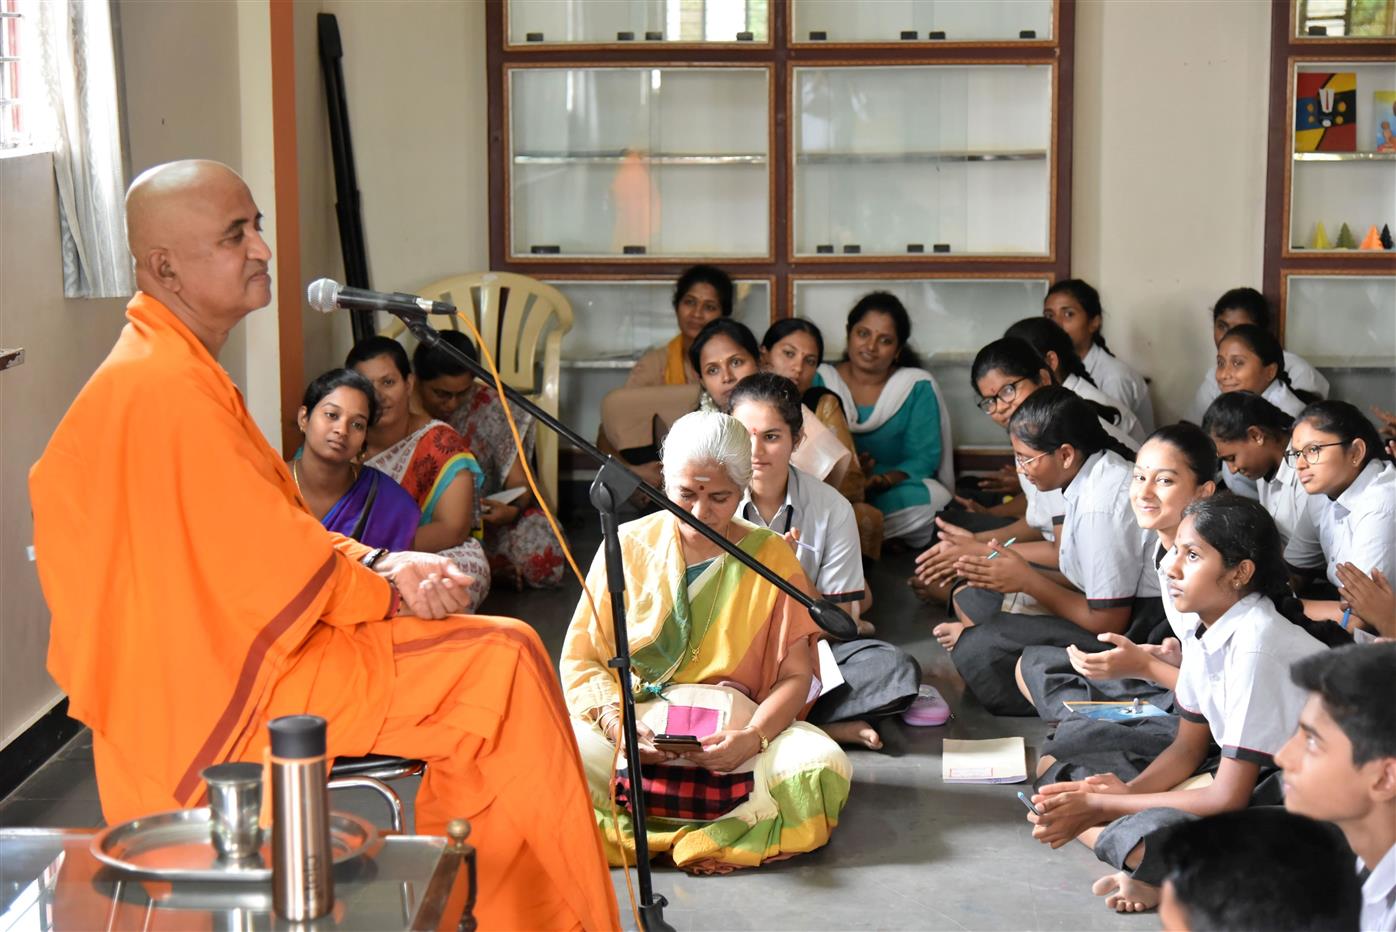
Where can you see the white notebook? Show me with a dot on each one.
(996, 760)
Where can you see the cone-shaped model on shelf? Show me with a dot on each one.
(1385, 236)
(1345, 240)
(1372, 240)
(1320, 238)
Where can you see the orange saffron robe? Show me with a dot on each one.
(193, 596)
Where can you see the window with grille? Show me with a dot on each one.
(19, 78)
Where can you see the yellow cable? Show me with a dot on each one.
(586, 592)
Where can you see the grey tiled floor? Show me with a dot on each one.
(910, 852)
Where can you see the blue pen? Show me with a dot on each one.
(1347, 614)
(1003, 546)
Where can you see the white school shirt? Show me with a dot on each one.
(1118, 380)
(1045, 509)
(1102, 548)
(828, 549)
(1284, 497)
(1235, 679)
(1301, 375)
(1359, 526)
(1379, 894)
(1129, 426)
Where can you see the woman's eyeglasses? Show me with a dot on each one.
(1311, 453)
(1003, 396)
(1023, 464)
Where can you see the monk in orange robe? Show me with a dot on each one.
(194, 596)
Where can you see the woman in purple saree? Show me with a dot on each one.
(349, 498)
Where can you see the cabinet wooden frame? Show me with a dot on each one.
(1287, 53)
(780, 56)
(652, 45)
(1320, 272)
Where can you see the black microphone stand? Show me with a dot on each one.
(614, 484)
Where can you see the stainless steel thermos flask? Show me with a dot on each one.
(302, 880)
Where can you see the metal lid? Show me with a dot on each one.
(297, 736)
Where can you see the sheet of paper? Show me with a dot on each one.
(996, 760)
(505, 496)
(830, 677)
(1195, 782)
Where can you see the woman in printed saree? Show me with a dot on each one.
(351, 499)
(718, 654)
(518, 540)
(428, 459)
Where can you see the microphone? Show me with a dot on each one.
(326, 295)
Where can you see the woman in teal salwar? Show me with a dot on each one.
(899, 423)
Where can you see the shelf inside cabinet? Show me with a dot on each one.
(617, 156)
(948, 155)
(1345, 156)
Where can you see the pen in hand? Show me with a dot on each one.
(1003, 546)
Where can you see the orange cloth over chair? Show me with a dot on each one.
(194, 597)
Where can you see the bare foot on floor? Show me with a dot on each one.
(854, 732)
(948, 633)
(1124, 894)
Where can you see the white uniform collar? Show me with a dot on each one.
(1355, 491)
(1078, 482)
(1213, 640)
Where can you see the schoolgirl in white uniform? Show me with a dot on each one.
(1248, 306)
(1100, 550)
(1233, 689)
(1074, 306)
(1005, 373)
(1250, 359)
(1342, 464)
(879, 680)
(1056, 347)
(1175, 467)
(1251, 436)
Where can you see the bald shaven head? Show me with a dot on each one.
(195, 233)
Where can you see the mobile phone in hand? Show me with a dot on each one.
(677, 743)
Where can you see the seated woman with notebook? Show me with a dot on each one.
(724, 668)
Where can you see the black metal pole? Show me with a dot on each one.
(348, 209)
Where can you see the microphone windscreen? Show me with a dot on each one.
(323, 295)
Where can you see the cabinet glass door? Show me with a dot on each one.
(1343, 155)
(930, 20)
(1345, 325)
(604, 22)
(951, 320)
(1345, 19)
(639, 162)
(930, 159)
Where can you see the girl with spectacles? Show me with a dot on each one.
(1070, 372)
(1100, 580)
(1342, 464)
(1005, 374)
(1251, 436)
(1075, 306)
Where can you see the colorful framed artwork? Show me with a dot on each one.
(1325, 112)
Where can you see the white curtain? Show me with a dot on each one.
(79, 73)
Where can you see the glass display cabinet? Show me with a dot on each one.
(1331, 190)
(951, 319)
(815, 149)
(941, 159)
(625, 162)
(885, 21)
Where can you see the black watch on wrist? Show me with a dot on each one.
(373, 556)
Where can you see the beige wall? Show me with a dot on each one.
(1168, 188)
(63, 342)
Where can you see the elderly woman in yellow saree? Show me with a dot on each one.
(719, 655)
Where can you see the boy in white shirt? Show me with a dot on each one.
(1340, 766)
